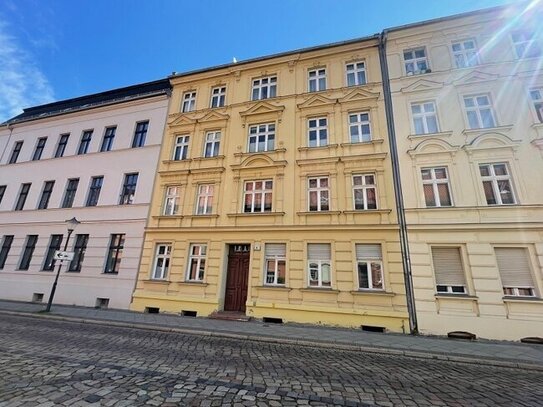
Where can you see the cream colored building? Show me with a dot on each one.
(93, 158)
(274, 198)
(467, 97)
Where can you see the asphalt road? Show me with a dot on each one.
(46, 363)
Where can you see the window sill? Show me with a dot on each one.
(157, 281)
(430, 135)
(319, 290)
(249, 154)
(110, 273)
(185, 160)
(216, 157)
(167, 217)
(311, 213)
(193, 283)
(326, 147)
(456, 296)
(73, 271)
(498, 129)
(251, 214)
(202, 216)
(363, 143)
(367, 211)
(274, 287)
(519, 299)
(381, 293)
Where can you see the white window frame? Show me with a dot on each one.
(318, 75)
(276, 259)
(477, 108)
(526, 45)
(494, 179)
(514, 291)
(424, 115)
(166, 257)
(259, 86)
(370, 261)
(317, 129)
(218, 97)
(198, 259)
(435, 182)
(416, 61)
(213, 139)
(469, 57)
(253, 193)
(189, 102)
(266, 131)
(319, 191)
(536, 96)
(364, 187)
(181, 144)
(450, 288)
(171, 200)
(204, 193)
(360, 124)
(354, 69)
(319, 269)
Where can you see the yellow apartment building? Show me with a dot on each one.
(273, 197)
(467, 95)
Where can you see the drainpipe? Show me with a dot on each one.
(400, 209)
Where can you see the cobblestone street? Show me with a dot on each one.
(47, 363)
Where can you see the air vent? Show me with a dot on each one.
(462, 335)
(371, 328)
(37, 297)
(186, 313)
(152, 310)
(102, 303)
(533, 339)
(272, 320)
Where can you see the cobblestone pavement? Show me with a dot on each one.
(46, 363)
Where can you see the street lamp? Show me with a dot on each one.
(71, 224)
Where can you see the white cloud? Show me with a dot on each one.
(22, 84)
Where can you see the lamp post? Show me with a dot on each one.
(71, 225)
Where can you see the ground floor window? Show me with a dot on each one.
(197, 262)
(275, 263)
(370, 267)
(161, 264)
(319, 257)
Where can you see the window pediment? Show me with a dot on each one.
(316, 101)
(258, 161)
(358, 95)
(433, 146)
(475, 77)
(262, 108)
(491, 141)
(213, 116)
(422, 85)
(180, 119)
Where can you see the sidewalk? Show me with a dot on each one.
(499, 353)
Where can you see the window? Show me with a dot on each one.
(356, 73)
(4, 251)
(257, 196)
(107, 141)
(140, 134)
(369, 266)
(479, 112)
(162, 262)
(319, 257)
(61, 146)
(69, 194)
(94, 190)
(465, 53)
(115, 253)
(23, 194)
(526, 44)
(213, 143)
(15, 153)
(537, 99)
(39, 148)
(189, 102)
(205, 199)
(275, 263)
(197, 262)
(449, 271)
(85, 142)
(54, 245)
(359, 127)
(497, 184)
(181, 148)
(79, 250)
(2, 192)
(435, 183)
(46, 194)
(262, 137)
(264, 88)
(171, 201)
(30, 245)
(318, 194)
(317, 132)
(424, 117)
(415, 61)
(515, 273)
(317, 80)
(129, 189)
(364, 192)
(218, 96)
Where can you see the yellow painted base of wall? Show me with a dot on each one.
(203, 308)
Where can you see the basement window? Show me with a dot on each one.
(37, 297)
(371, 328)
(102, 303)
(187, 313)
(152, 310)
(271, 320)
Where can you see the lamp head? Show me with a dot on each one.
(72, 223)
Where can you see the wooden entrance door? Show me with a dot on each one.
(237, 277)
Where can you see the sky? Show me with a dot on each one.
(58, 49)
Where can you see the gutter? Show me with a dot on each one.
(397, 181)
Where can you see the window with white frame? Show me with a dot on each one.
(218, 96)
(257, 196)
(197, 262)
(465, 53)
(264, 88)
(424, 117)
(189, 102)
(435, 183)
(537, 100)
(364, 192)
(415, 61)
(515, 271)
(479, 111)
(317, 132)
(319, 194)
(161, 265)
(212, 144)
(448, 270)
(275, 263)
(356, 73)
(171, 200)
(319, 259)
(497, 184)
(204, 204)
(181, 149)
(261, 137)
(359, 127)
(316, 79)
(369, 261)
(526, 43)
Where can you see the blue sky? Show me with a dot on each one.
(54, 50)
